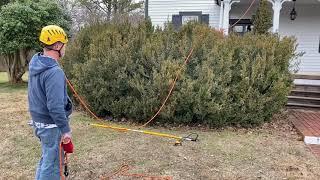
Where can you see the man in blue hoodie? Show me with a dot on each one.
(49, 104)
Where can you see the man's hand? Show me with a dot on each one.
(66, 138)
(67, 143)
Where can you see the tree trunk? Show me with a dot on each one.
(16, 64)
(115, 6)
(109, 9)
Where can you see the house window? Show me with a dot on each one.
(243, 26)
(184, 17)
(238, 29)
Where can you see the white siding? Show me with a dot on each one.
(161, 11)
(306, 28)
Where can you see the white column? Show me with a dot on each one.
(226, 16)
(221, 15)
(276, 6)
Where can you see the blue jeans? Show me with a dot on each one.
(49, 164)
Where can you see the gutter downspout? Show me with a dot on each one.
(146, 9)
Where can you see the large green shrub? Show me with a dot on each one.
(126, 71)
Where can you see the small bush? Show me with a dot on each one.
(126, 71)
(262, 21)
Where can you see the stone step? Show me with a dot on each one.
(307, 77)
(307, 87)
(304, 100)
(315, 94)
(293, 105)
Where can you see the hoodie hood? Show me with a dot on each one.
(40, 63)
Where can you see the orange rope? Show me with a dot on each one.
(253, 1)
(185, 62)
(81, 100)
(170, 91)
(124, 168)
(83, 103)
(122, 171)
(60, 161)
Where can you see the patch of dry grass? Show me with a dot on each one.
(266, 153)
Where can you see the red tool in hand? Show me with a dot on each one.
(67, 146)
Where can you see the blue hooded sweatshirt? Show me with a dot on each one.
(47, 93)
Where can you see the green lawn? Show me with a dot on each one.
(5, 86)
(270, 152)
(4, 77)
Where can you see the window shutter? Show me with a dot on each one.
(205, 19)
(177, 21)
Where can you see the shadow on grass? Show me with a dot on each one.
(6, 87)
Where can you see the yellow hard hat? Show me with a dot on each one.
(52, 34)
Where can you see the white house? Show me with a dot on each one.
(299, 18)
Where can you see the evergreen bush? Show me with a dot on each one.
(126, 71)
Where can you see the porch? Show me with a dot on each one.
(305, 26)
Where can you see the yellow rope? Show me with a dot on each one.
(140, 131)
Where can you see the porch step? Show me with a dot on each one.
(292, 105)
(306, 92)
(304, 100)
(307, 87)
(308, 77)
(315, 94)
